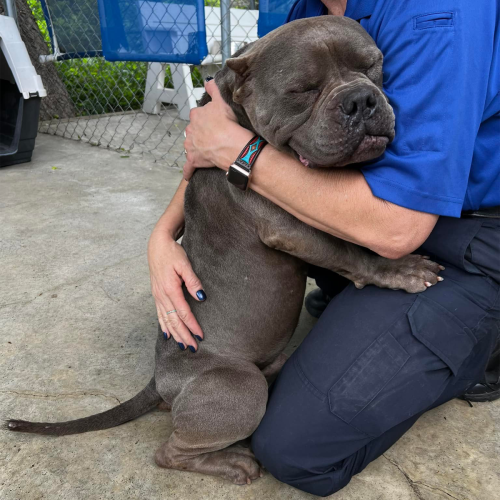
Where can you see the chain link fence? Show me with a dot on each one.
(132, 107)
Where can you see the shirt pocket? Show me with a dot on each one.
(435, 20)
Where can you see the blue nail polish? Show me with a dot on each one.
(201, 295)
(165, 335)
(191, 348)
(198, 337)
(181, 346)
(208, 78)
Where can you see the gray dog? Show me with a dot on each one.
(312, 88)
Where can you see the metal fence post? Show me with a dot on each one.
(10, 8)
(225, 15)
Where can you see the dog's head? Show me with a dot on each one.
(313, 88)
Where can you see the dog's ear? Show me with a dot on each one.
(240, 64)
(241, 59)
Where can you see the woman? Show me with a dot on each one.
(359, 381)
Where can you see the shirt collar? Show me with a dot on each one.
(358, 9)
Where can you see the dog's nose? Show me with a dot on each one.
(359, 103)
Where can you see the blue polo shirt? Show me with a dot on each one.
(442, 77)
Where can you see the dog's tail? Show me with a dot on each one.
(141, 403)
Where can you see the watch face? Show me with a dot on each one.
(237, 177)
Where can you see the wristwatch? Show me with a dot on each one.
(239, 172)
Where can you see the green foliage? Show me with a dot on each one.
(97, 87)
(36, 9)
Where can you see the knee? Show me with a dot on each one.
(271, 452)
(286, 460)
(281, 458)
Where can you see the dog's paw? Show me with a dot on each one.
(236, 464)
(413, 273)
(243, 469)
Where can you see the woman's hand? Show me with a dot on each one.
(212, 134)
(169, 267)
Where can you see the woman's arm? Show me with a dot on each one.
(172, 220)
(340, 202)
(337, 201)
(169, 268)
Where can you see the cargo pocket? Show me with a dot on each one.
(366, 377)
(389, 384)
(441, 332)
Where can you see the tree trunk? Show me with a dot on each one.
(57, 103)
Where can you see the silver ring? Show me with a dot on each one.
(185, 152)
(184, 133)
(172, 311)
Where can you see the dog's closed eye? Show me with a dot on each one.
(304, 91)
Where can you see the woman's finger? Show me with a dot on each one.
(162, 322)
(188, 170)
(185, 314)
(163, 325)
(191, 282)
(212, 90)
(177, 327)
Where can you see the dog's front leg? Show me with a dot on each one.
(284, 232)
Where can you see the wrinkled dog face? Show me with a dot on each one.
(314, 88)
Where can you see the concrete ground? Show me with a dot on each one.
(77, 331)
(157, 137)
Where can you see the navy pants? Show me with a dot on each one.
(377, 359)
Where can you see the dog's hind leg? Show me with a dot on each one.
(217, 409)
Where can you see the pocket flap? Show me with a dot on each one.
(441, 331)
(366, 377)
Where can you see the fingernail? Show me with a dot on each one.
(201, 295)
(427, 284)
(181, 346)
(165, 334)
(442, 268)
(198, 338)
(440, 279)
(191, 348)
(208, 78)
